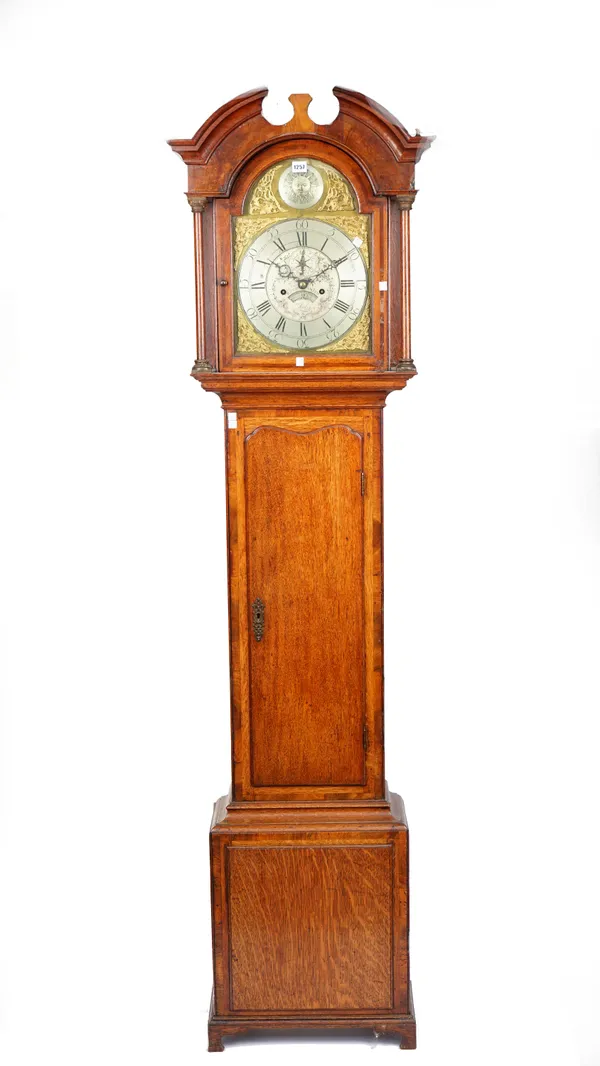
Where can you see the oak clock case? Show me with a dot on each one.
(303, 329)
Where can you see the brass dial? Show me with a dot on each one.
(303, 283)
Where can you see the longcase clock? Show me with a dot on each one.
(303, 329)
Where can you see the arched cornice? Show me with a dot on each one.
(237, 131)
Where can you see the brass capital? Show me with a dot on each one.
(405, 200)
(202, 366)
(197, 203)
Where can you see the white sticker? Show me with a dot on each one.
(383, 286)
(299, 166)
(299, 360)
(232, 419)
(357, 241)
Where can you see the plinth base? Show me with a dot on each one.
(403, 1026)
(310, 918)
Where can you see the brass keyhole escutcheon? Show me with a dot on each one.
(258, 618)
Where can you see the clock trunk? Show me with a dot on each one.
(304, 527)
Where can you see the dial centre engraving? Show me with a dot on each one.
(311, 284)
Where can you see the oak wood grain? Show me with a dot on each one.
(322, 944)
(303, 903)
(304, 543)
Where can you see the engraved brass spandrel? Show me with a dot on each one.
(249, 339)
(245, 231)
(355, 226)
(337, 194)
(263, 200)
(357, 339)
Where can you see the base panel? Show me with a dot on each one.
(404, 1026)
(310, 919)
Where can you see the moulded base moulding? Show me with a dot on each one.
(403, 1026)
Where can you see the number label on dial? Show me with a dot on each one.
(290, 283)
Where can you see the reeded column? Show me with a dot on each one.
(405, 201)
(197, 204)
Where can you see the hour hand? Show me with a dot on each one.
(284, 270)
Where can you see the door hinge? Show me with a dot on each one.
(365, 738)
(363, 482)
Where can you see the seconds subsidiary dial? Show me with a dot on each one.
(303, 283)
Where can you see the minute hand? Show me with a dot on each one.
(334, 263)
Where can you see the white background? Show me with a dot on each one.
(113, 622)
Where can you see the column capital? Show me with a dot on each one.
(197, 203)
(202, 366)
(405, 200)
